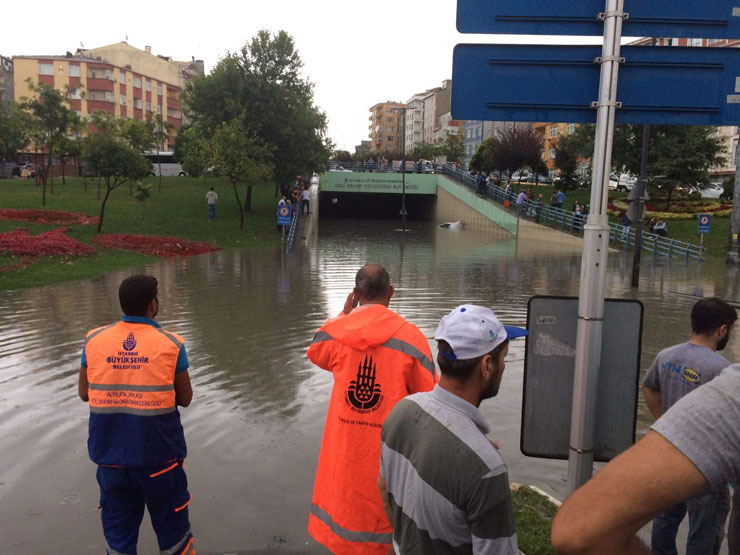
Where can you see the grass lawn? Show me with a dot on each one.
(533, 515)
(178, 210)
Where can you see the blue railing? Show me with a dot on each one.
(293, 232)
(568, 221)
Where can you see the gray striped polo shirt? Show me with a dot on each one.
(447, 485)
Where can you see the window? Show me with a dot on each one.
(74, 71)
(571, 128)
(123, 99)
(159, 89)
(695, 42)
(109, 74)
(46, 69)
(137, 82)
(553, 131)
(148, 106)
(478, 132)
(389, 130)
(74, 93)
(148, 85)
(122, 77)
(389, 120)
(159, 109)
(390, 139)
(137, 103)
(108, 96)
(713, 41)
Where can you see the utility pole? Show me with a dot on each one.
(734, 250)
(403, 172)
(641, 183)
(593, 265)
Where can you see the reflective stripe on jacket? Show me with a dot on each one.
(131, 387)
(377, 358)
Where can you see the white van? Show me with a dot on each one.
(167, 162)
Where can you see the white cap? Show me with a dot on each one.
(473, 331)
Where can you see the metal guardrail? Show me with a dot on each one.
(568, 221)
(292, 234)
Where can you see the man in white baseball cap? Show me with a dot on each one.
(435, 456)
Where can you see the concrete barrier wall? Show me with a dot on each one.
(455, 202)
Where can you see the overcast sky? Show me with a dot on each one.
(357, 53)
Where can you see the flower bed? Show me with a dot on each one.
(50, 243)
(47, 217)
(692, 210)
(167, 247)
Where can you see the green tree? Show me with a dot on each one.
(193, 150)
(51, 114)
(14, 130)
(451, 148)
(240, 158)
(114, 161)
(484, 158)
(142, 195)
(160, 129)
(566, 160)
(422, 152)
(139, 135)
(261, 86)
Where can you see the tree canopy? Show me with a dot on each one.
(261, 86)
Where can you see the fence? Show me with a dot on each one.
(568, 221)
(293, 232)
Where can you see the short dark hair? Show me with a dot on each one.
(136, 293)
(461, 370)
(372, 282)
(710, 314)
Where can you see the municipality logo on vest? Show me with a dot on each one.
(364, 394)
(129, 344)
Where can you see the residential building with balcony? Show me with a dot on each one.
(98, 85)
(446, 128)
(386, 127)
(414, 128)
(6, 80)
(475, 132)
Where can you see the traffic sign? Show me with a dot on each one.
(283, 214)
(657, 85)
(704, 223)
(654, 18)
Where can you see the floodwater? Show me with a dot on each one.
(255, 424)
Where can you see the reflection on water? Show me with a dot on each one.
(255, 424)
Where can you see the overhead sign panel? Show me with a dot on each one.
(657, 85)
(647, 18)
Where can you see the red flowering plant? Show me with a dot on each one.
(167, 247)
(47, 217)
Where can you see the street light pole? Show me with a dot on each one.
(403, 172)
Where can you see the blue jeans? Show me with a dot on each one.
(707, 515)
(211, 211)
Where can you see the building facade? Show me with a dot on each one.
(107, 87)
(475, 132)
(6, 80)
(386, 126)
(414, 129)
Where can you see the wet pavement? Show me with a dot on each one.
(255, 423)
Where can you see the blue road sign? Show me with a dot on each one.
(704, 221)
(657, 85)
(647, 18)
(283, 214)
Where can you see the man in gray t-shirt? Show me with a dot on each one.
(676, 372)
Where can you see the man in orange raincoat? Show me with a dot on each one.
(377, 358)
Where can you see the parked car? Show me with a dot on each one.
(712, 190)
(626, 182)
(338, 169)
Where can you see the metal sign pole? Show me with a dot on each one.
(593, 266)
(732, 254)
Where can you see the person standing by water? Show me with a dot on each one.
(676, 372)
(134, 374)
(305, 199)
(443, 482)
(376, 358)
(211, 199)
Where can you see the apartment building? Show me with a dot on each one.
(414, 135)
(475, 132)
(107, 87)
(446, 128)
(6, 80)
(386, 126)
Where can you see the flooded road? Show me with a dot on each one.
(255, 424)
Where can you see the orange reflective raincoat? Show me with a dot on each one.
(377, 358)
